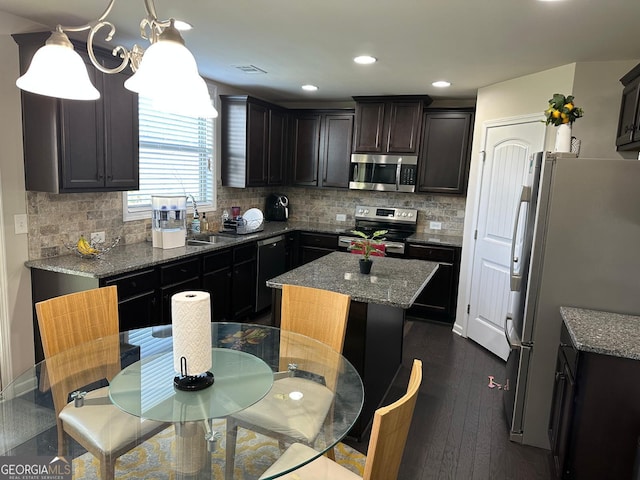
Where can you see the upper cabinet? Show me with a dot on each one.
(628, 134)
(253, 142)
(321, 147)
(388, 124)
(75, 145)
(445, 151)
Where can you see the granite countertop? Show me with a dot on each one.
(127, 258)
(606, 333)
(393, 281)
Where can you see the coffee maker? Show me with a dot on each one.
(277, 208)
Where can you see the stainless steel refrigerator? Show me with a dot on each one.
(576, 243)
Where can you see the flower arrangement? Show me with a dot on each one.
(368, 244)
(562, 110)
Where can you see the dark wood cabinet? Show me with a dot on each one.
(243, 283)
(388, 124)
(438, 300)
(445, 152)
(305, 148)
(628, 133)
(80, 146)
(336, 137)
(177, 277)
(137, 298)
(277, 157)
(216, 279)
(321, 148)
(253, 142)
(314, 245)
(594, 426)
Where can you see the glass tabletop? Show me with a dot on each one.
(145, 388)
(248, 362)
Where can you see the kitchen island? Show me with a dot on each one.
(373, 342)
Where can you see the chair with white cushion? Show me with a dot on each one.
(321, 315)
(70, 326)
(386, 444)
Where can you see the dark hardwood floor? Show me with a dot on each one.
(458, 429)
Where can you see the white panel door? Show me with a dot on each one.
(506, 166)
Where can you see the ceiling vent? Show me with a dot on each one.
(249, 69)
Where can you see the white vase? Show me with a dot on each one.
(563, 138)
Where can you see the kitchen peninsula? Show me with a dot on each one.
(373, 342)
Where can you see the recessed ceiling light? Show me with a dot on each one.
(309, 88)
(182, 25)
(441, 84)
(365, 59)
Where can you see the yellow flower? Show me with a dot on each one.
(555, 113)
(569, 106)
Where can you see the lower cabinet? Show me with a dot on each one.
(177, 277)
(314, 245)
(594, 426)
(243, 281)
(216, 279)
(438, 300)
(137, 299)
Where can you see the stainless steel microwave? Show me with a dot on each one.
(391, 173)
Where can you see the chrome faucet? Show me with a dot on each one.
(195, 224)
(195, 206)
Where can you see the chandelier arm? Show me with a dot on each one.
(89, 25)
(118, 51)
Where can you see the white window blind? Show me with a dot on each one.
(176, 158)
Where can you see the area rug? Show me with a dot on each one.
(255, 454)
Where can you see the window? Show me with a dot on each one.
(176, 158)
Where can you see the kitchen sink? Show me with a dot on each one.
(206, 239)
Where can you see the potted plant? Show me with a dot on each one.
(366, 246)
(561, 113)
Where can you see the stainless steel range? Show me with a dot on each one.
(400, 223)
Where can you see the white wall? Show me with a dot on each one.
(13, 202)
(598, 90)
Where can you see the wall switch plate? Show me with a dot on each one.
(435, 225)
(21, 224)
(97, 237)
(341, 217)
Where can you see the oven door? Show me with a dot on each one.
(392, 249)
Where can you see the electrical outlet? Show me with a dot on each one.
(97, 237)
(435, 225)
(21, 224)
(341, 217)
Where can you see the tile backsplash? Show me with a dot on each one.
(59, 219)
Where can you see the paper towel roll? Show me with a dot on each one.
(191, 325)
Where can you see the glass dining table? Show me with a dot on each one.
(246, 361)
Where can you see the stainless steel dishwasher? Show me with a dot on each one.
(271, 262)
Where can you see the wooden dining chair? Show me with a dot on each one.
(70, 326)
(386, 444)
(321, 315)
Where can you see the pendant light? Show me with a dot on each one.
(166, 72)
(168, 75)
(57, 70)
